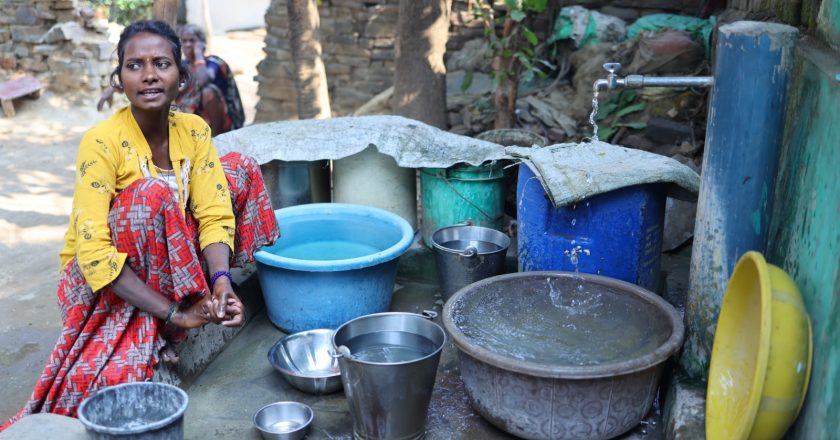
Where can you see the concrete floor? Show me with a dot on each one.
(240, 381)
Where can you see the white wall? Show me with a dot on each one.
(227, 15)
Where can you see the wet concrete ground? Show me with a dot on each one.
(225, 397)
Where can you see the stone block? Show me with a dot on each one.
(382, 54)
(44, 49)
(62, 5)
(275, 69)
(22, 51)
(5, 35)
(33, 64)
(63, 32)
(350, 50)
(104, 51)
(352, 61)
(381, 26)
(25, 15)
(82, 53)
(8, 61)
(277, 90)
(343, 38)
(27, 34)
(334, 69)
(44, 14)
(383, 42)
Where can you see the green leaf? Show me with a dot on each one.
(530, 36)
(638, 125)
(467, 82)
(535, 5)
(631, 109)
(606, 133)
(547, 64)
(511, 4)
(627, 96)
(605, 110)
(517, 15)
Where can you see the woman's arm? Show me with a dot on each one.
(134, 291)
(203, 74)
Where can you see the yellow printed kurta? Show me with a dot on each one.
(113, 155)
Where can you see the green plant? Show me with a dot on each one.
(512, 45)
(613, 112)
(126, 11)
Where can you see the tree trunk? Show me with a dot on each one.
(420, 75)
(313, 99)
(507, 70)
(165, 10)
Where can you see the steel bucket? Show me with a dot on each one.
(465, 254)
(135, 411)
(291, 183)
(388, 364)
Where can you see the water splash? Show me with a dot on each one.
(594, 112)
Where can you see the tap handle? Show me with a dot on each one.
(612, 68)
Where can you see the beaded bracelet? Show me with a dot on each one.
(219, 274)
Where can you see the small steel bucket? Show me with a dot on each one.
(465, 254)
(388, 364)
(135, 411)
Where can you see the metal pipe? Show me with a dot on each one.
(638, 81)
(612, 81)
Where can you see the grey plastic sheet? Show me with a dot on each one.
(411, 143)
(572, 172)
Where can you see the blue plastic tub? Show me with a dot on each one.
(334, 262)
(617, 234)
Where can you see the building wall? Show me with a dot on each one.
(358, 46)
(56, 40)
(805, 229)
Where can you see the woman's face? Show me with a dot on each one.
(188, 44)
(149, 72)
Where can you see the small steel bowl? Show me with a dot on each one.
(283, 420)
(304, 359)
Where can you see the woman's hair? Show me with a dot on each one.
(195, 30)
(153, 27)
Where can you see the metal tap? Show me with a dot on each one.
(613, 81)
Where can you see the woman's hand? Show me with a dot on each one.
(106, 97)
(227, 308)
(196, 315)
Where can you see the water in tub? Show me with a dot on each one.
(564, 322)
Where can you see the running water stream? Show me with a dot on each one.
(594, 113)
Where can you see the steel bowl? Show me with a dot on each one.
(283, 420)
(304, 359)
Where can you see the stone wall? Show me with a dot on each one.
(357, 38)
(56, 40)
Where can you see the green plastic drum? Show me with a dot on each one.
(459, 193)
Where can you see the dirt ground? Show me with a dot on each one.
(37, 155)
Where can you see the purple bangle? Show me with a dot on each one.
(217, 275)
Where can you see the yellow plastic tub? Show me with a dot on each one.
(761, 358)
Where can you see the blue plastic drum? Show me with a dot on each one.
(617, 234)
